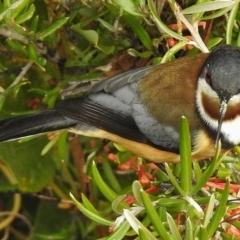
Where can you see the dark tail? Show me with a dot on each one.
(24, 126)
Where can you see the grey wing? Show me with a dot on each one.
(112, 105)
(114, 83)
(120, 95)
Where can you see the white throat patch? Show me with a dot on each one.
(231, 128)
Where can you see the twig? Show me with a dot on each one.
(193, 29)
(22, 73)
(9, 33)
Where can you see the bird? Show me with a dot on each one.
(141, 109)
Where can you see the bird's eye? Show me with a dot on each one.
(208, 76)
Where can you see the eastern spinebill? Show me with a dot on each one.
(141, 109)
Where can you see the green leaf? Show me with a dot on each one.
(173, 228)
(194, 206)
(224, 172)
(208, 6)
(116, 204)
(230, 23)
(143, 235)
(213, 42)
(170, 202)
(138, 29)
(170, 53)
(52, 28)
(18, 29)
(135, 53)
(210, 210)
(120, 232)
(110, 177)
(107, 25)
(34, 23)
(90, 35)
(49, 145)
(153, 215)
(93, 37)
(216, 14)
(136, 224)
(8, 187)
(136, 189)
(189, 230)
(32, 171)
(62, 145)
(50, 220)
(123, 157)
(119, 147)
(32, 54)
(26, 15)
(209, 171)
(174, 180)
(129, 6)
(219, 212)
(92, 215)
(16, 46)
(185, 156)
(87, 204)
(163, 26)
(197, 171)
(202, 233)
(20, 5)
(103, 187)
(16, 6)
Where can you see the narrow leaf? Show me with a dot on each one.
(52, 28)
(210, 211)
(117, 203)
(129, 7)
(142, 234)
(161, 25)
(170, 53)
(198, 210)
(153, 215)
(110, 177)
(209, 171)
(88, 205)
(26, 15)
(136, 224)
(91, 35)
(185, 156)
(230, 23)
(103, 187)
(135, 53)
(49, 145)
(95, 217)
(136, 188)
(12, 7)
(32, 54)
(189, 230)
(138, 29)
(207, 6)
(173, 180)
(20, 5)
(219, 213)
(120, 232)
(216, 14)
(202, 233)
(34, 23)
(173, 228)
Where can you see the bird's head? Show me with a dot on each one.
(218, 93)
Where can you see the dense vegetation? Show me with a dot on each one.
(55, 49)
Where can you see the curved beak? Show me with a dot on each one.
(222, 112)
